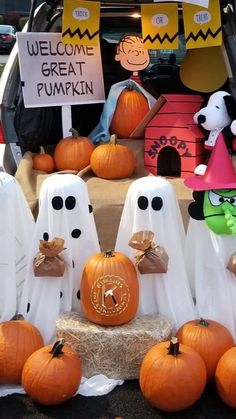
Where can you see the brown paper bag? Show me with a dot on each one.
(150, 257)
(49, 262)
(231, 266)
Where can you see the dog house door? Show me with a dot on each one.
(169, 162)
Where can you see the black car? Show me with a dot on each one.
(7, 37)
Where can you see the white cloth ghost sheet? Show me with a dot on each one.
(151, 204)
(65, 212)
(212, 284)
(16, 231)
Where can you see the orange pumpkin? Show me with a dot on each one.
(73, 153)
(225, 377)
(172, 376)
(43, 161)
(51, 375)
(109, 290)
(18, 340)
(112, 161)
(131, 107)
(209, 338)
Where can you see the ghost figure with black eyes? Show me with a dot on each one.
(16, 230)
(211, 239)
(151, 204)
(65, 212)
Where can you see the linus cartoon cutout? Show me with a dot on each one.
(132, 55)
(215, 192)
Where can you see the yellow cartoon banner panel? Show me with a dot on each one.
(80, 22)
(160, 26)
(202, 25)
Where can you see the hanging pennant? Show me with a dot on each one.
(203, 3)
(202, 26)
(160, 26)
(80, 22)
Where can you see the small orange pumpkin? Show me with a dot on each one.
(73, 153)
(131, 107)
(225, 377)
(209, 338)
(18, 340)
(109, 290)
(43, 161)
(51, 375)
(112, 161)
(172, 376)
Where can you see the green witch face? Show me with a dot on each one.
(219, 209)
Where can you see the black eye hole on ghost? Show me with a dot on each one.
(57, 202)
(156, 203)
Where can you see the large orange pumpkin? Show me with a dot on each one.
(209, 338)
(43, 161)
(73, 153)
(18, 340)
(225, 377)
(112, 161)
(52, 374)
(172, 376)
(109, 290)
(131, 107)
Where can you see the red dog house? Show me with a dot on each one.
(173, 142)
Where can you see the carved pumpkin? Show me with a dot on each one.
(43, 161)
(172, 376)
(209, 338)
(112, 161)
(52, 374)
(131, 107)
(109, 290)
(225, 377)
(73, 153)
(18, 340)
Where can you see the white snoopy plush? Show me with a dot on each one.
(216, 117)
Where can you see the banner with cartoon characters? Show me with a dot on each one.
(160, 26)
(202, 26)
(80, 22)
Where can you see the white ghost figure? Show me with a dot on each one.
(151, 204)
(16, 231)
(65, 212)
(213, 285)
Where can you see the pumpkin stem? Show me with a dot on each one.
(174, 347)
(203, 322)
(18, 317)
(113, 139)
(41, 150)
(75, 133)
(109, 254)
(57, 347)
(129, 87)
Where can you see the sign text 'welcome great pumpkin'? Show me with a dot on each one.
(54, 73)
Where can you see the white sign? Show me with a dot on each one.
(203, 3)
(54, 73)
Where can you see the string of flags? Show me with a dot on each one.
(159, 23)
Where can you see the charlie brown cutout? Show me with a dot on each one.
(132, 55)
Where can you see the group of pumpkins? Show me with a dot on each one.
(49, 374)
(174, 374)
(108, 160)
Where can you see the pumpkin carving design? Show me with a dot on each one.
(52, 374)
(172, 376)
(109, 290)
(73, 153)
(209, 338)
(113, 161)
(18, 340)
(131, 107)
